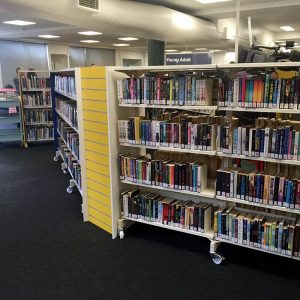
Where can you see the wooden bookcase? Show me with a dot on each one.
(36, 106)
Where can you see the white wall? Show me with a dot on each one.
(121, 54)
(223, 57)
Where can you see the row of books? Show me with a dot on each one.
(260, 187)
(40, 132)
(65, 84)
(38, 116)
(69, 110)
(32, 81)
(165, 90)
(279, 143)
(71, 163)
(152, 207)
(266, 92)
(274, 234)
(184, 175)
(37, 99)
(69, 135)
(182, 134)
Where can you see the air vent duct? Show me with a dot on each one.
(89, 4)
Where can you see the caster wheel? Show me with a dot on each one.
(70, 190)
(121, 234)
(217, 258)
(65, 171)
(55, 158)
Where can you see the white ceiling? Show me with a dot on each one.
(265, 14)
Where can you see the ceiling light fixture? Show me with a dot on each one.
(128, 39)
(121, 45)
(186, 52)
(211, 1)
(89, 41)
(49, 36)
(200, 49)
(19, 22)
(170, 50)
(287, 28)
(89, 32)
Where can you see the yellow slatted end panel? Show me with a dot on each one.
(100, 224)
(94, 103)
(100, 207)
(97, 157)
(95, 116)
(93, 72)
(96, 137)
(99, 148)
(96, 186)
(94, 95)
(95, 126)
(93, 84)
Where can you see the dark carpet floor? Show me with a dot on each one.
(47, 252)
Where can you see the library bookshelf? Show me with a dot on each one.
(36, 106)
(104, 192)
(226, 204)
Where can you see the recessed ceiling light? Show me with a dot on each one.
(121, 45)
(170, 50)
(211, 1)
(216, 50)
(128, 38)
(287, 28)
(49, 36)
(200, 49)
(19, 22)
(186, 52)
(89, 41)
(89, 32)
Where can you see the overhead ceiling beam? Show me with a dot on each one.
(246, 7)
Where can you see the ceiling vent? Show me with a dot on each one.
(89, 4)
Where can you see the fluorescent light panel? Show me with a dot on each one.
(121, 45)
(287, 28)
(200, 49)
(170, 50)
(211, 1)
(19, 22)
(89, 32)
(48, 36)
(89, 41)
(128, 38)
(186, 52)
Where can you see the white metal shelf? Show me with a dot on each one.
(273, 160)
(171, 149)
(260, 109)
(208, 235)
(258, 65)
(70, 96)
(255, 248)
(39, 123)
(69, 171)
(40, 140)
(182, 107)
(36, 90)
(67, 144)
(66, 120)
(273, 207)
(38, 107)
(209, 192)
(167, 68)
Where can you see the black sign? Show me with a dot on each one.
(188, 59)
